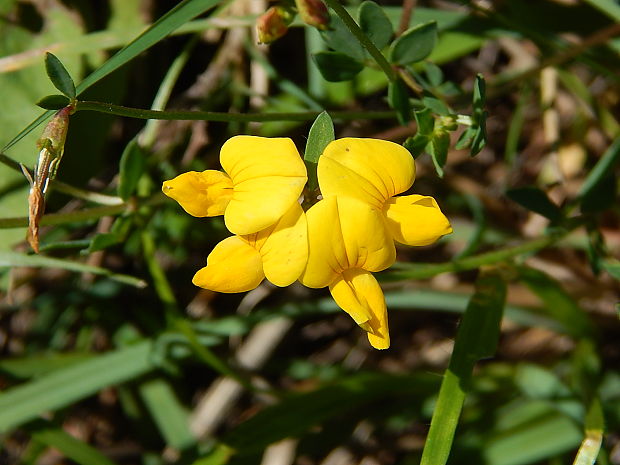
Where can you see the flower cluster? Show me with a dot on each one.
(338, 243)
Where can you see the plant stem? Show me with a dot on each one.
(363, 39)
(224, 117)
(427, 270)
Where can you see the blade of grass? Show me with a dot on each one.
(602, 168)
(169, 415)
(62, 387)
(609, 7)
(477, 338)
(10, 259)
(177, 16)
(595, 427)
(72, 448)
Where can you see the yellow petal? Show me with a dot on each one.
(326, 251)
(284, 247)
(371, 170)
(200, 194)
(415, 220)
(258, 203)
(268, 176)
(358, 293)
(232, 266)
(345, 233)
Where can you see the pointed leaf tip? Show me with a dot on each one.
(59, 76)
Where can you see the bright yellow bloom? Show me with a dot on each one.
(347, 240)
(240, 263)
(263, 177)
(374, 171)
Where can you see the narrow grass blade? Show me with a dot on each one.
(609, 7)
(72, 448)
(11, 259)
(179, 15)
(595, 427)
(601, 169)
(477, 338)
(169, 415)
(65, 386)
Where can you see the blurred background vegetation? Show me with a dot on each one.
(111, 356)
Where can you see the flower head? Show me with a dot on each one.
(262, 179)
(347, 241)
(375, 171)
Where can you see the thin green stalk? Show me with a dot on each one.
(166, 295)
(149, 133)
(225, 117)
(363, 39)
(61, 218)
(83, 194)
(82, 215)
(425, 270)
(8, 161)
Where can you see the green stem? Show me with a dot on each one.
(8, 161)
(363, 39)
(225, 117)
(426, 270)
(61, 218)
(166, 295)
(82, 215)
(149, 133)
(78, 193)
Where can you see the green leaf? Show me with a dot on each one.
(321, 133)
(298, 412)
(438, 149)
(103, 241)
(159, 30)
(59, 76)
(557, 303)
(336, 66)
(435, 105)
(416, 144)
(414, 45)
(132, 165)
(535, 200)
(480, 136)
(613, 268)
(398, 98)
(375, 23)
(342, 40)
(176, 17)
(65, 386)
(53, 102)
(171, 418)
(434, 74)
(542, 437)
(72, 448)
(477, 338)
(479, 94)
(11, 259)
(466, 138)
(594, 429)
(35, 365)
(426, 121)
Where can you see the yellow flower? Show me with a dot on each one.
(347, 240)
(263, 177)
(374, 171)
(239, 263)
